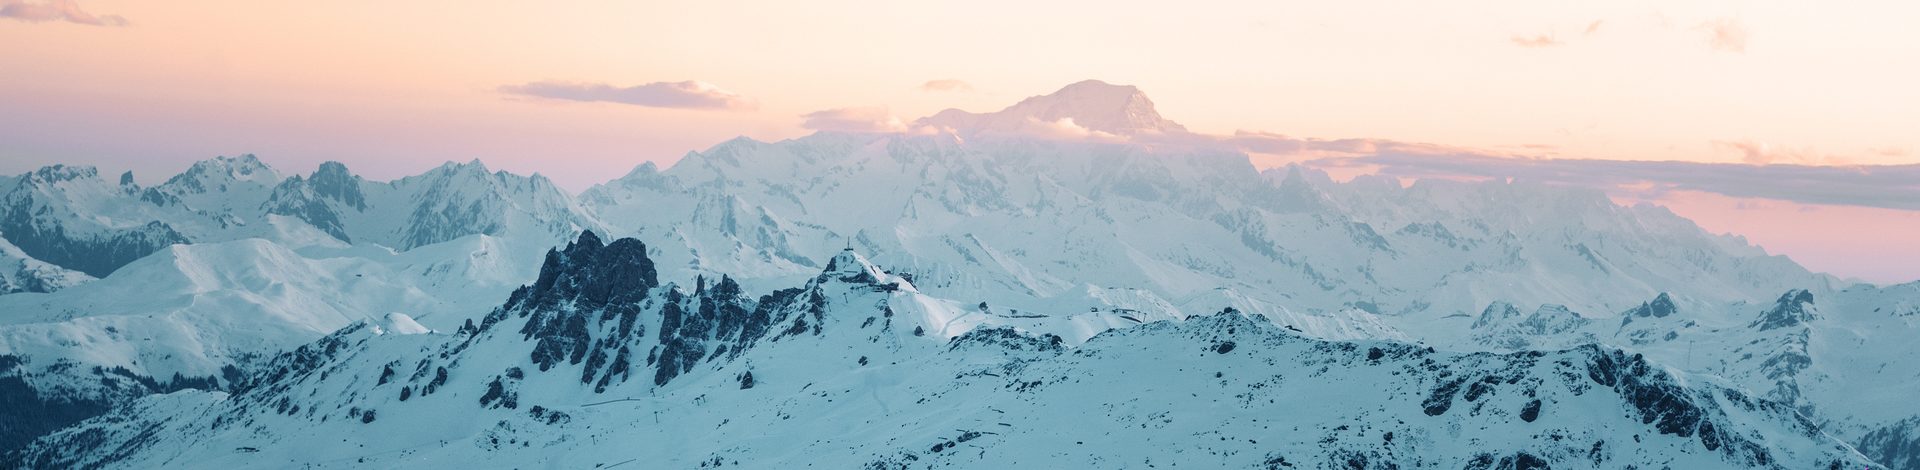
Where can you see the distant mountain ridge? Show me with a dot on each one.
(72, 218)
(1090, 105)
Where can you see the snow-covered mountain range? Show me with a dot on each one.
(568, 366)
(1070, 241)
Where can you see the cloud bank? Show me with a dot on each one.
(55, 10)
(865, 120)
(682, 95)
(1881, 186)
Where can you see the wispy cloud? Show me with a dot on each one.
(1761, 153)
(1270, 143)
(55, 10)
(1891, 151)
(1726, 34)
(1541, 40)
(684, 95)
(946, 85)
(1882, 186)
(1801, 175)
(853, 120)
(1594, 27)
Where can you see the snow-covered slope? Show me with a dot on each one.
(598, 364)
(1845, 359)
(22, 273)
(195, 316)
(1036, 224)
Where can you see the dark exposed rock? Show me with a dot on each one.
(1441, 398)
(295, 197)
(97, 255)
(577, 284)
(333, 181)
(36, 226)
(1895, 445)
(1659, 307)
(1790, 310)
(1517, 461)
(1656, 398)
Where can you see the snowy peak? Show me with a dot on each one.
(61, 173)
(850, 266)
(1502, 327)
(1087, 106)
(220, 174)
(456, 200)
(1793, 308)
(1496, 313)
(321, 199)
(333, 181)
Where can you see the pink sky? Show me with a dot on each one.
(394, 88)
(1876, 245)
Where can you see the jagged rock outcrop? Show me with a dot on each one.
(320, 199)
(587, 284)
(1659, 307)
(1896, 445)
(1793, 308)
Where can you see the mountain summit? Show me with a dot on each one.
(1090, 106)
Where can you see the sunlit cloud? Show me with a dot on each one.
(55, 10)
(1542, 40)
(1726, 34)
(1066, 129)
(946, 85)
(685, 95)
(857, 119)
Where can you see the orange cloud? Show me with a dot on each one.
(1543, 40)
(1726, 34)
